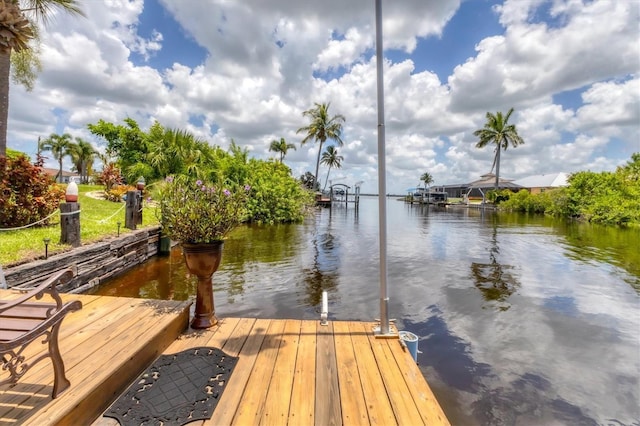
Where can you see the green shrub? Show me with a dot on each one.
(27, 193)
(276, 197)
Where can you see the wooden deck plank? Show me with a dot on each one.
(39, 380)
(354, 407)
(28, 401)
(302, 406)
(97, 380)
(276, 409)
(404, 407)
(375, 395)
(255, 394)
(288, 372)
(214, 336)
(328, 410)
(234, 344)
(430, 409)
(232, 396)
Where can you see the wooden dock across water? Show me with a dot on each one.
(289, 371)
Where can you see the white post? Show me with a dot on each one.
(324, 315)
(382, 182)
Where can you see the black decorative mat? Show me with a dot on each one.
(176, 389)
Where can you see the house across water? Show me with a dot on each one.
(427, 196)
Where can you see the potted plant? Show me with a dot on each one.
(200, 215)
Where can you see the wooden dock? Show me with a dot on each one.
(289, 371)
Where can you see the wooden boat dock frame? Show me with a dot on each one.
(289, 371)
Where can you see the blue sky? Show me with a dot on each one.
(246, 71)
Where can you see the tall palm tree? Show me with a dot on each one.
(322, 128)
(60, 147)
(18, 26)
(331, 158)
(497, 131)
(281, 147)
(427, 179)
(82, 155)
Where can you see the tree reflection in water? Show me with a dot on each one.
(495, 280)
(324, 272)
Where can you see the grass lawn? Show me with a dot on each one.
(98, 221)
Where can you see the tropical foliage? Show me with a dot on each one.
(427, 179)
(194, 211)
(321, 128)
(60, 147)
(281, 147)
(498, 132)
(275, 196)
(309, 181)
(18, 30)
(331, 159)
(606, 197)
(27, 193)
(82, 155)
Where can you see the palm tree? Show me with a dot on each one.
(82, 155)
(427, 179)
(497, 131)
(281, 147)
(60, 146)
(331, 158)
(173, 151)
(18, 26)
(322, 128)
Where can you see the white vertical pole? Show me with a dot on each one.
(382, 183)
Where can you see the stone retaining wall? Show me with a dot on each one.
(92, 264)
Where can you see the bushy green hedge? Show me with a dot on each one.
(276, 196)
(606, 197)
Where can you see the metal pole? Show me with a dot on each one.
(3, 282)
(382, 183)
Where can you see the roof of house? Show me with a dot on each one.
(489, 181)
(54, 172)
(551, 180)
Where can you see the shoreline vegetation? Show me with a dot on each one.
(609, 198)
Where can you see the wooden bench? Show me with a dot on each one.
(26, 319)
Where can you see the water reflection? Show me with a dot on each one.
(164, 278)
(495, 281)
(324, 270)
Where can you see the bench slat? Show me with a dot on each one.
(8, 335)
(28, 310)
(18, 324)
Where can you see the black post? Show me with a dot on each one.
(131, 210)
(46, 247)
(139, 213)
(70, 224)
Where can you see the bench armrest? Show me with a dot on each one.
(48, 287)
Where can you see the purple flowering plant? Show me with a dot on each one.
(200, 212)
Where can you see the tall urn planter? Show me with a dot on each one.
(202, 260)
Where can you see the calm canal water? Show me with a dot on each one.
(522, 320)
